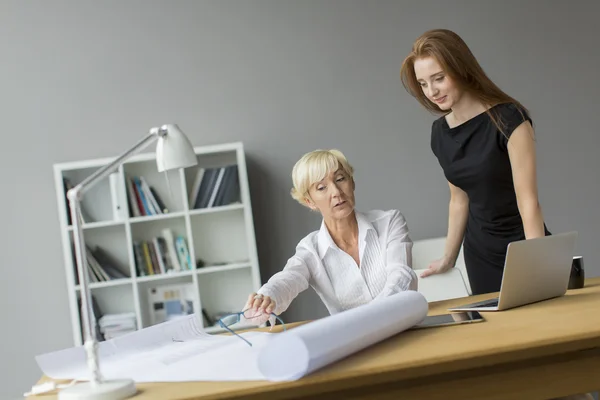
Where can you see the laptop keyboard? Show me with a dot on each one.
(487, 303)
(484, 303)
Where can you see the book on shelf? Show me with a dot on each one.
(215, 186)
(118, 198)
(167, 302)
(143, 198)
(102, 267)
(162, 254)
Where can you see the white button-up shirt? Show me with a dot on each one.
(385, 250)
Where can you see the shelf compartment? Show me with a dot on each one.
(214, 182)
(107, 249)
(115, 299)
(158, 249)
(144, 175)
(150, 290)
(224, 293)
(96, 203)
(109, 300)
(220, 238)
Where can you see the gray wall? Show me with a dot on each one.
(86, 79)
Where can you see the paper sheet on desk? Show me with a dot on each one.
(151, 355)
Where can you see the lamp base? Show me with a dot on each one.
(107, 390)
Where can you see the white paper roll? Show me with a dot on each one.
(300, 351)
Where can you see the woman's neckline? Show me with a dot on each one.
(473, 118)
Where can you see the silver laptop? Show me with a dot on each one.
(534, 270)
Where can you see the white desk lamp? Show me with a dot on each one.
(173, 151)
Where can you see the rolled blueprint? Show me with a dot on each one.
(299, 351)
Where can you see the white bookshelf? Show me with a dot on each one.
(221, 236)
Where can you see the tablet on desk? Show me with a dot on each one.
(455, 318)
(448, 285)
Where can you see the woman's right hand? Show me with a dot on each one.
(437, 267)
(258, 308)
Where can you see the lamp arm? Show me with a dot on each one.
(74, 195)
(108, 169)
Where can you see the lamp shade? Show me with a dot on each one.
(174, 149)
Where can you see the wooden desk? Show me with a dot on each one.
(538, 351)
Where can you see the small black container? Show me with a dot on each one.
(577, 279)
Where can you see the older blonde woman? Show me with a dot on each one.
(352, 259)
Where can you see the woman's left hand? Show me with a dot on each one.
(437, 267)
(258, 308)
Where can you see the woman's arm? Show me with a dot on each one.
(398, 264)
(458, 210)
(284, 286)
(521, 151)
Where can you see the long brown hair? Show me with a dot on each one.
(457, 61)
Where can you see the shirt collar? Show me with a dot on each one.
(325, 241)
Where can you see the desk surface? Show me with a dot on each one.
(558, 326)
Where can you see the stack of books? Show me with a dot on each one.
(115, 325)
(213, 187)
(143, 198)
(102, 266)
(161, 255)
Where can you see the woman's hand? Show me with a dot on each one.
(437, 267)
(258, 308)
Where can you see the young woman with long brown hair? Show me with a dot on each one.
(484, 142)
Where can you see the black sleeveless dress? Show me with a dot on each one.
(474, 157)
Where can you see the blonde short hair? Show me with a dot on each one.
(313, 167)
